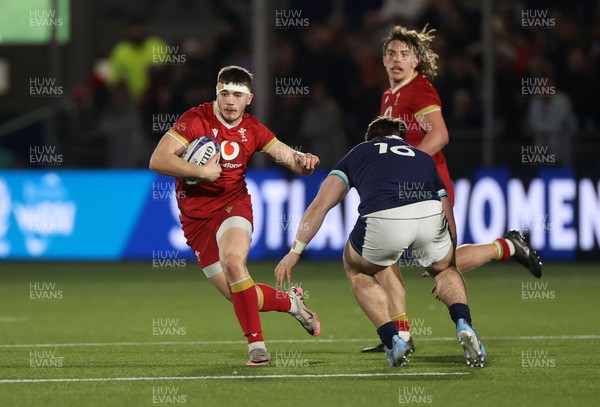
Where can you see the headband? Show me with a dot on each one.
(234, 87)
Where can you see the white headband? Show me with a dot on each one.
(234, 87)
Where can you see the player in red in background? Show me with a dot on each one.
(216, 213)
(409, 61)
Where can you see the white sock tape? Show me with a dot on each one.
(298, 247)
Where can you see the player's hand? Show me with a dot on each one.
(285, 266)
(210, 171)
(307, 162)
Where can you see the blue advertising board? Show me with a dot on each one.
(120, 215)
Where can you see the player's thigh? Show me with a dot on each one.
(354, 263)
(433, 245)
(233, 239)
(200, 237)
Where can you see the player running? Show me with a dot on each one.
(216, 213)
(409, 62)
(389, 222)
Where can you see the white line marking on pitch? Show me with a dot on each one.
(340, 340)
(272, 376)
(12, 319)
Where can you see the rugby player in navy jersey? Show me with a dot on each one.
(403, 205)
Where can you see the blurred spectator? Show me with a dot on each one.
(553, 123)
(121, 126)
(463, 115)
(339, 47)
(322, 127)
(579, 85)
(132, 58)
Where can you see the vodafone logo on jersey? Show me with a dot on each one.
(229, 151)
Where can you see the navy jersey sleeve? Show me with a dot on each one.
(342, 171)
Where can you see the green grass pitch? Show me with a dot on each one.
(128, 334)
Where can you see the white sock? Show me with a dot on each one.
(294, 307)
(256, 345)
(405, 335)
(511, 246)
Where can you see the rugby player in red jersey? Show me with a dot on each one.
(216, 213)
(410, 63)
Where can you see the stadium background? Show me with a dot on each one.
(518, 83)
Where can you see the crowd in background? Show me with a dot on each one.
(338, 57)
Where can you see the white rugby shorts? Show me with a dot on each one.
(381, 237)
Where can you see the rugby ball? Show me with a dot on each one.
(199, 152)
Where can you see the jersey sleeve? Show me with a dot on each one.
(427, 99)
(342, 171)
(189, 127)
(266, 138)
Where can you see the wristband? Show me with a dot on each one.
(298, 247)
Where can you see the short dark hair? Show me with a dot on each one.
(235, 74)
(385, 126)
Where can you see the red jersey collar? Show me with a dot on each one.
(404, 83)
(222, 120)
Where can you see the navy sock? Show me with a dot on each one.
(386, 332)
(458, 311)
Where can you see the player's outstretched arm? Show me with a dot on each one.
(437, 133)
(300, 163)
(331, 193)
(166, 160)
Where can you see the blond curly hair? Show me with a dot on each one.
(420, 42)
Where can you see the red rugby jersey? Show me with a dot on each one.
(238, 143)
(408, 99)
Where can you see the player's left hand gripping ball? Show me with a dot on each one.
(199, 152)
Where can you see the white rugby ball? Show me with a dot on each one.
(199, 152)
